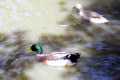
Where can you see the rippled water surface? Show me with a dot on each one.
(55, 26)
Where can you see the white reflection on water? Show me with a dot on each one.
(40, 71)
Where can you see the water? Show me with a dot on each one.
(25, 22)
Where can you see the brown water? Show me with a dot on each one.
(25, 22)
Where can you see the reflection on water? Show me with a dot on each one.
(25, 22)
(105, 64)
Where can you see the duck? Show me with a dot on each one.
(55, 58)
(93, 17)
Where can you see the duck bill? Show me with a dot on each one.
(29, 51)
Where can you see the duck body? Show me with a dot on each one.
(56, 58)
(90, 16)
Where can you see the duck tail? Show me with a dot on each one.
(74, 57)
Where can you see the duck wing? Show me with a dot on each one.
(90, 14)
(95, 15)
(51, 56)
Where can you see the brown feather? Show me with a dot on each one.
(52, 56)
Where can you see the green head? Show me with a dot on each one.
(36, 48)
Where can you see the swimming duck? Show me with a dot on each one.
(55, 58)
(89, 15)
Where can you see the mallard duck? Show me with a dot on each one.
(55, 58)
(89, 15)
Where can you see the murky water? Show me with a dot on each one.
(25, 22)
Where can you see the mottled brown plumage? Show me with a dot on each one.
(89, 15)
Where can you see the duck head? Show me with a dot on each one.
(78, 7)
(36, 48)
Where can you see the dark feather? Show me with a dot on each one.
(72, 57)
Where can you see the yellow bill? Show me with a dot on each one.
(67, 65)
(29, 51)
